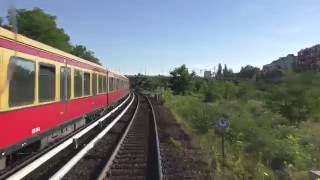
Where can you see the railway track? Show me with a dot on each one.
(125, 147)
(137, 155)
(65, 147)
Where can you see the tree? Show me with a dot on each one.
(1, 21)
(181, 80)
(248, 72)
(40, 26)
(219, 72)
(225, 71)
(296, 98)
(82, 52)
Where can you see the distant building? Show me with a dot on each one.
(309, 58)
(207, 74)
(283, 63)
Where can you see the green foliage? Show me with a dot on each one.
(227, 72)
(198, 83)
(1, 21)
(82, 52)
(297, 98)
(274, 130)
(207, 89)
(248, 72)
(40, 26)
(219, 72)
(227, 90)
(181, 80)
(149, 83)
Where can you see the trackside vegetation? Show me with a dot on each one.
(274, 127)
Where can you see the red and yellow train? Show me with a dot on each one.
(46, 93)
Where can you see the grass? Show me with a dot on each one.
(246, 117)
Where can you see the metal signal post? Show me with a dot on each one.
(223, 125)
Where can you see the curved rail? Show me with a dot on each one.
(66, 168)
(159, 172)
(132, 157)
(115, 152)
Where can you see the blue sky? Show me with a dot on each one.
(154, 36)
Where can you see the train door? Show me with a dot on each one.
(110, 86)
(65, 88)
(94, 90)
(107, 93)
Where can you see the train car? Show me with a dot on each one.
(46, 93)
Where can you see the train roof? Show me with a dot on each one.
(118, 74)
(4, 33)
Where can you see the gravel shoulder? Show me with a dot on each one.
(180, 156)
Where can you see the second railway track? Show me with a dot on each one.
(127, 148)
(137, 154)
(129, 151)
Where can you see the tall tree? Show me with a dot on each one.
(40, 26)
(83, 52)
(225, 71)
(219, 72)
(248, 72)
(181, 80)
(1, 21)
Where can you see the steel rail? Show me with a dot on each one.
(115, 152)
(67, 167)
(45, 157)
(160, 175)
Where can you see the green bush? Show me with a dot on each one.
(274, 128)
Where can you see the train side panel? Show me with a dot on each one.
(116, 95)
(21, 124)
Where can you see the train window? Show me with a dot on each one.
(104, 84)
(114, 84)
(65, 83)
(94, 84)
(78, 91)
(47, 82)
(110, 84)
(22, 82)
(86, 83)
(118, 83)
(100, 84)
